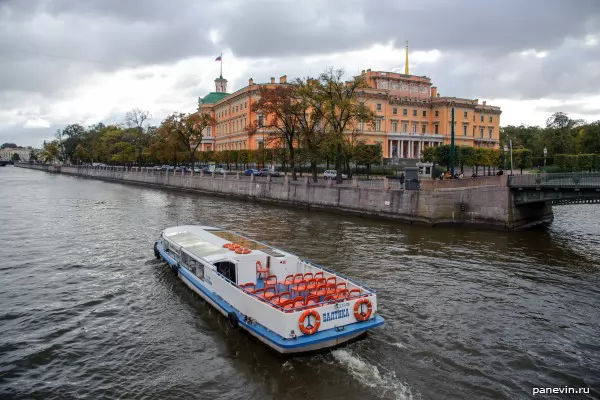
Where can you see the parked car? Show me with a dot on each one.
(220, 171)
(251, 171)
(197, 170)
(332, 174)
(268, 172)
(157, 168)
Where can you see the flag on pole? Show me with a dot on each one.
(219, 58)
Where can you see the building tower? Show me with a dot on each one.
(221, 85)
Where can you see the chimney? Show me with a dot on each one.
(438, 95)
(433, 91)
(283, 79)
(369, 70)
(363, 72)
(250, 82)
(272, 79)
(484, 102)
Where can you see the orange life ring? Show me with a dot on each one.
(242, 250)
(227, 245)
(359, 314)
(234, 247)
(309, 329)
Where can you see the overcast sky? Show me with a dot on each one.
(86, 61)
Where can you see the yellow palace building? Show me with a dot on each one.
(410, 115)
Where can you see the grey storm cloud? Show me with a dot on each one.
(49, 47)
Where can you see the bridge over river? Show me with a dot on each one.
(559, 188)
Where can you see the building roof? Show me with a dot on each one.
(213, 97)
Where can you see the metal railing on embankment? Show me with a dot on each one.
(579, 180)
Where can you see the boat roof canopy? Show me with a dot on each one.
(207, 242)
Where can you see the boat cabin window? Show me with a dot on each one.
(193, 265)
(227, 269)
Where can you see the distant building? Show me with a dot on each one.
(6, 154)
(410, 115)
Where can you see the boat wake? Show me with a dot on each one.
(386, 385)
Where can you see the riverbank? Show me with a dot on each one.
(484, 202)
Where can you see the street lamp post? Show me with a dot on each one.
(545, 154)
(452, 144)
(505, 150)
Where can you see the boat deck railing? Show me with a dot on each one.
(360, 285)
(295, 309)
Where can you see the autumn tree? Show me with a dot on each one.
(278, 106)
(312, 131)
(336, 102)
(188, 128)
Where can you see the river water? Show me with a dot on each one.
(88, 313)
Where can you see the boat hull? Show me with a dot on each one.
(302, 345)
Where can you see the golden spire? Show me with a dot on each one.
(406, 62)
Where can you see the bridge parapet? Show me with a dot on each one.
(582, 180)
(559, 188)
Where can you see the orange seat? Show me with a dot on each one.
(287, 305)
(341, 295)
(319, 275)
(298, 278)
(271, 281)
(285, 296)
(299, 302)
(260, 270)
(260, 293)
(321, 281)
(308, 276)
(321, 290)
(330, 290)
(331, 281)
(269, 293)
(299, 287)
(311, 284)
(248, 287)
(312, 301)
(275, 299)
(289, 280)
(354, 293)
(340, 286)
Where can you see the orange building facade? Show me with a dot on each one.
(410, 115)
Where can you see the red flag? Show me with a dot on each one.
(219, 58)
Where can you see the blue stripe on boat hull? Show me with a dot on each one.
(270, 338)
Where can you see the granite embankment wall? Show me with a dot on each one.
(484, 202)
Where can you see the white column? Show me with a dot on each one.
(401, 154)
(420, 148)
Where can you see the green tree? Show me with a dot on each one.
(368, 154)
(188, 128)
(15, 157)
(523, 159)
(137, 120)
(80, 153)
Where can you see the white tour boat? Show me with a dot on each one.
(291, 305)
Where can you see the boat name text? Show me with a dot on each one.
(330, 316)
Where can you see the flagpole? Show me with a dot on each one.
(221, 59)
